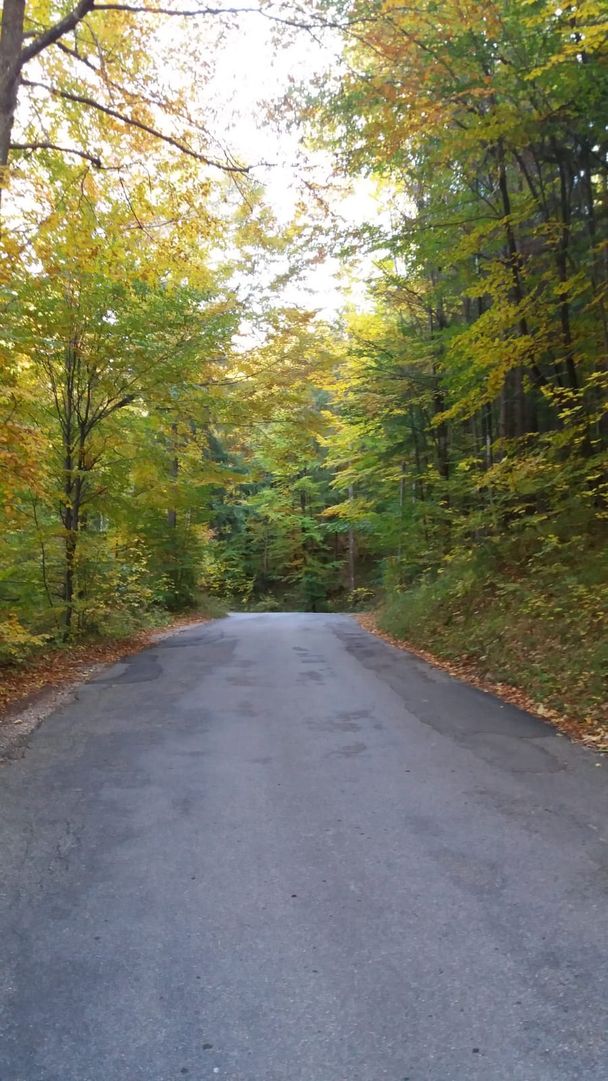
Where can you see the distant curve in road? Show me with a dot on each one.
(274, 848)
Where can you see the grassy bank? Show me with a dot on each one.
(539, 625)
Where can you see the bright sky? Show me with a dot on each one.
(250, 70)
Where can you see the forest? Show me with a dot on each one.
(186, 427)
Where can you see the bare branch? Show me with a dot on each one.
(145, 10)
(304, 23)
(111, 84)
(82, 99)
(141, 9)
(62, 150)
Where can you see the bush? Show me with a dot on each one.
(16, 642)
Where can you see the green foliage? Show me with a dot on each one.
(117, 592)
(16, 642)
(112, 349)
(470, 443)
(450, 441)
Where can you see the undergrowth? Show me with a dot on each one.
(539, 624)
(19, 647)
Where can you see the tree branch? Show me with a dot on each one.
(59, 30)
(82, 99)
(141, 9)
(62, 150)
(145, 10)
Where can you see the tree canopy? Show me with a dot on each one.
(178, 418)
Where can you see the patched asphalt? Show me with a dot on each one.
(275, 848)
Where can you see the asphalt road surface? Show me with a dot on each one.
(274, 848)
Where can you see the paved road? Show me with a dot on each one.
(276, 849)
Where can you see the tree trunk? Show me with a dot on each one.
(172, 511)
(488, 437)
(74, 439)
(11, 42)
(562, 270)
(401, 512)
(71, 523)
(442, 438)
(597, 284)
(513, 405)
(352, 552)
(69, 580)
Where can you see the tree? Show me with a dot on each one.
(96, 58)
(106, 326)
